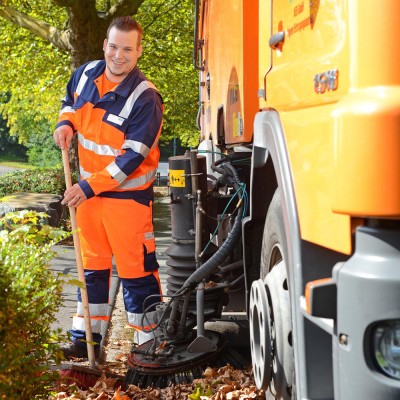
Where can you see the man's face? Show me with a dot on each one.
(121, 52)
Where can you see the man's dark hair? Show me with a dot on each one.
(126, 24)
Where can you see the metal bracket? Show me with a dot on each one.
(201, 345)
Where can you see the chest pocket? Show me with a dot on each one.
(115, 121)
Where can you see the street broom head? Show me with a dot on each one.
(181, 367)
(85, 377)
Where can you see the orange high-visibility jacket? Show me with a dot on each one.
(117, 133)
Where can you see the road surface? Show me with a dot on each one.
(6, 170)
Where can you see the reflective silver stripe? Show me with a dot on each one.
(96, 310)
(131, 100)
(139, 181)
(84, 174)
(139, 147)
(136, 319)
(78, 323)
(100, 149)
(65, 110)
(129, 183)
(84, 78)
(116, 172)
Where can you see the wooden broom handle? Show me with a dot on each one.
(79, 263)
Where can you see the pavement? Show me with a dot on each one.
(65, 264)
(6, 170)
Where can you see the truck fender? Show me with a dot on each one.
(270, 165)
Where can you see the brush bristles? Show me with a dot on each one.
(165, 376)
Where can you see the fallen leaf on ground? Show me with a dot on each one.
(224, 383)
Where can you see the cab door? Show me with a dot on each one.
(265, 52)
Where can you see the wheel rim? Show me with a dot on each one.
(280, 327)
(260, 337)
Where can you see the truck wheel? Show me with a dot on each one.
(270, 320)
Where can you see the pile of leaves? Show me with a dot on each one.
(224, 383)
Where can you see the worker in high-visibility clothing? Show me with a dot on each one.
(116, 114)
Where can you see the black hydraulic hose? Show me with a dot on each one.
(223, 252)
(219, 257)
(232, 267)
(230, 175)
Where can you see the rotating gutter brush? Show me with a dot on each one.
(181, 348)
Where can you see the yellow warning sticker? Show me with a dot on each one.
(176, 178)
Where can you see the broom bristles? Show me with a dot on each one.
(81, 379)
(86, 378)
(163, 376)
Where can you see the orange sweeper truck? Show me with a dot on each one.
(286, 218)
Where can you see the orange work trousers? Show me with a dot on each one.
(122, 228)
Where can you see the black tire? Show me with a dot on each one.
(273, 271)
(274, 243)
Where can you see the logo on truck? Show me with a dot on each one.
(327, 80)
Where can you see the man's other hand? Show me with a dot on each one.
(63, 136)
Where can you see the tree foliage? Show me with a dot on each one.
(44, 40)
(167, 61)
(33, 74)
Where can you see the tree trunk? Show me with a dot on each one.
(88, 32)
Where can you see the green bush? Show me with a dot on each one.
(30, 298)
(42, 151)
(44, 180)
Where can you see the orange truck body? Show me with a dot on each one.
(342, 169)
(312, 89)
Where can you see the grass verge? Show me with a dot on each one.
(6, 162)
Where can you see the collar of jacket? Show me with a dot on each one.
(125, 87)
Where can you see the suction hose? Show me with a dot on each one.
(217, 259)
